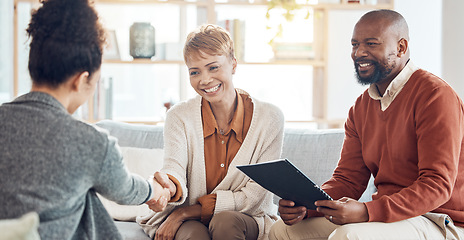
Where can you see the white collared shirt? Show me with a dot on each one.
(394, 88)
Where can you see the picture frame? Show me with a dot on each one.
(111, 50)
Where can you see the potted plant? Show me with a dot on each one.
(286, 12)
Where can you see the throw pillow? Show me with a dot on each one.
(23, 228)
(144, 162)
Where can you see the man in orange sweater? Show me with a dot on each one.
(407, 131)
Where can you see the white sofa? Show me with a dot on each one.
(315, 152)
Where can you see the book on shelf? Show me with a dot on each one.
(236, 28)
(293, 51)
(101, 102)
(82, 112)
(103, 99)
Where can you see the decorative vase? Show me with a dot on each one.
(142, 40)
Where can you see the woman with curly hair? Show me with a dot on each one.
(51, 163)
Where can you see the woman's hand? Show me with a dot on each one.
(343, 211)
(163, 180)
(289, 213)
(168, 229)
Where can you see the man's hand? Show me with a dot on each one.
(164, 181)
(343, 211)
(289, 213)
(160, 199)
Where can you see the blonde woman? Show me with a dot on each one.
(205, 139)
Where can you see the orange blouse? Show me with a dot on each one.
(220, 149)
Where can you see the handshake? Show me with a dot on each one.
(163, 190)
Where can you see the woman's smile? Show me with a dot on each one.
(213, 89)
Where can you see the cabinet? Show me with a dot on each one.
(137, 90)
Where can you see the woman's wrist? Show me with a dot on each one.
(188, 213)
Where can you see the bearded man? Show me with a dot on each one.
(407, 131)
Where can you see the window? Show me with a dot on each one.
(6, 50)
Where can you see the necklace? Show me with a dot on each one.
(221, 130)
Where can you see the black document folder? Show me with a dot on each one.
(285, 180)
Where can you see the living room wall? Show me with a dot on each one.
(436, 45)
(425, 32)
(453, 44)
(437, 28)
(425, 46)
(6, 51)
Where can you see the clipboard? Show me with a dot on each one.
(285, 180)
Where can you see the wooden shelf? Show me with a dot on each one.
(320, 6)
(352, 6)
(142, 61)
(314, 63)
(333, 122)
(209, 9)
(176, 2)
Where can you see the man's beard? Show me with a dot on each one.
(380, 73)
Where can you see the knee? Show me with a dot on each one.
(233, 225)
(345, 232)
(278, 230)
(226, 223)
(223, 221)
(192, 229)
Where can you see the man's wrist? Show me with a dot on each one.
(151, 192)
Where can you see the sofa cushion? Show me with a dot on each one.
(131, 231)
(144, 162)
(134, 135)
(23, 228)
(314, 152)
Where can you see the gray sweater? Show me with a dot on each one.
(54, 165)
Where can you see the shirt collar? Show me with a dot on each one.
(237, 121)
(209, 121)
(396, 85)
(42, 97)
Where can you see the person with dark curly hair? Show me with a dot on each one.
(52, 164)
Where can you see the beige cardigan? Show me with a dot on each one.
(183, 130)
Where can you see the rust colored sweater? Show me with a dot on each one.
(414, 149)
